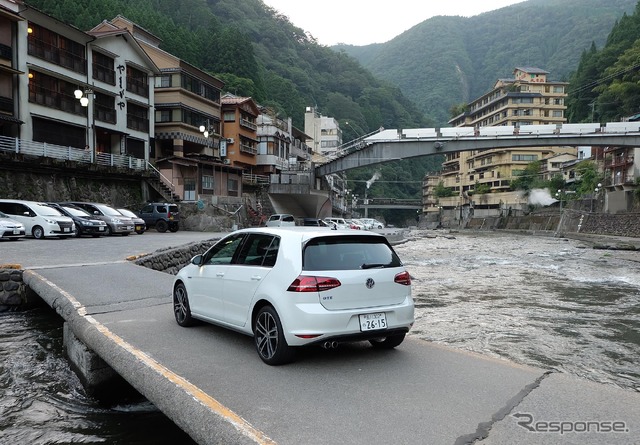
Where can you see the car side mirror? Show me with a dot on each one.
(197, 260)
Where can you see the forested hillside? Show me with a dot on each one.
(606, 85)
(446, 61)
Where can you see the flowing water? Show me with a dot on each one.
(42, 402)
(546, 302)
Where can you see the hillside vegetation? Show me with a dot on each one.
(445, 61)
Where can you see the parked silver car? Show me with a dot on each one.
(10, 228)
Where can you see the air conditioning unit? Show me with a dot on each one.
(230, 140)
(226, 161)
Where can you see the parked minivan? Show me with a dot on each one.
(39, 219)
(281, 220)
(338, 223)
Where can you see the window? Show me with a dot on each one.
(207, 182)
(137, 117)
(163, 116)
(104, 108)
(259, 250)
(165, 81)
(223, 252)
(137, 82)
(56, 49)
(558, 89)
(229, 116)
(232, 187)
(557, 113)
(527, 158)
(54, 93)
(347, 253)
(103, 68)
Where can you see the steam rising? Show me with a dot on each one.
(541, 197)
(373, 179)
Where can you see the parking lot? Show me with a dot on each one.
(33, 253)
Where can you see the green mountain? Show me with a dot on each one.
(446, 61)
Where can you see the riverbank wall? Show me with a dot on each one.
(569, 222)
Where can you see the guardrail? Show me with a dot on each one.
(67, 153)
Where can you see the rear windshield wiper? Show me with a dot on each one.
(372, 265)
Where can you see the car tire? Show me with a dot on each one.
(173, 228)
(109, 231)
(269, 338)
(387, 342)
(162, 226)
(181, 309)
(37, 232)
(139, 232)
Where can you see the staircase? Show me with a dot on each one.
(162, 185)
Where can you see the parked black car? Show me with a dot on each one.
(161, 215)
(86, 224)
(117, 223)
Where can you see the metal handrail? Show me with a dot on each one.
(162, 177)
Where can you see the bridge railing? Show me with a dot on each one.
(505, 130)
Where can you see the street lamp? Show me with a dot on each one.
(83, 96)
(559, 197)
(595, 195)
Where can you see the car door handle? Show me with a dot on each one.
(256, 277)
(219, 274)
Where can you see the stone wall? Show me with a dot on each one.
(173, 259)
(572, 221)
(13, 291)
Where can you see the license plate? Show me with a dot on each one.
(138, 227)
(101, 229)
(16, 232)
(66, 229)
(129, 227)
(372, 322)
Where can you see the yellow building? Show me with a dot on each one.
(527, 99)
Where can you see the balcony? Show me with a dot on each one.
(248, 124)
(248, 149)
(42, 149)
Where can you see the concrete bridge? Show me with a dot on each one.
(393, 145)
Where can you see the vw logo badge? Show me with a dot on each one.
(370, 283)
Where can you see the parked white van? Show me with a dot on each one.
(338, 223)
(39, 219)
(281, 220)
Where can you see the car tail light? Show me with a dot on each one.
(306, 283)
(403, 278)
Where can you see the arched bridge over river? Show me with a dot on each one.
(391, 145)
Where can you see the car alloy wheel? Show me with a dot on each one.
(181, 309)
(269, 338)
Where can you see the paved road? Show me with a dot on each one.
(212, 384)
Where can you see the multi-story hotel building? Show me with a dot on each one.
(529, 98)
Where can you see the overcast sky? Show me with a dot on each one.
(361, 22)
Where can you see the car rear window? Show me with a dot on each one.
(348, 253)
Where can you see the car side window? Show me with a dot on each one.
(224, 251)
(259, 250)
(147, 209)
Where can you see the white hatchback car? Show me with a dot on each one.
(298, 286)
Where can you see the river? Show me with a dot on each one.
(546, 302)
